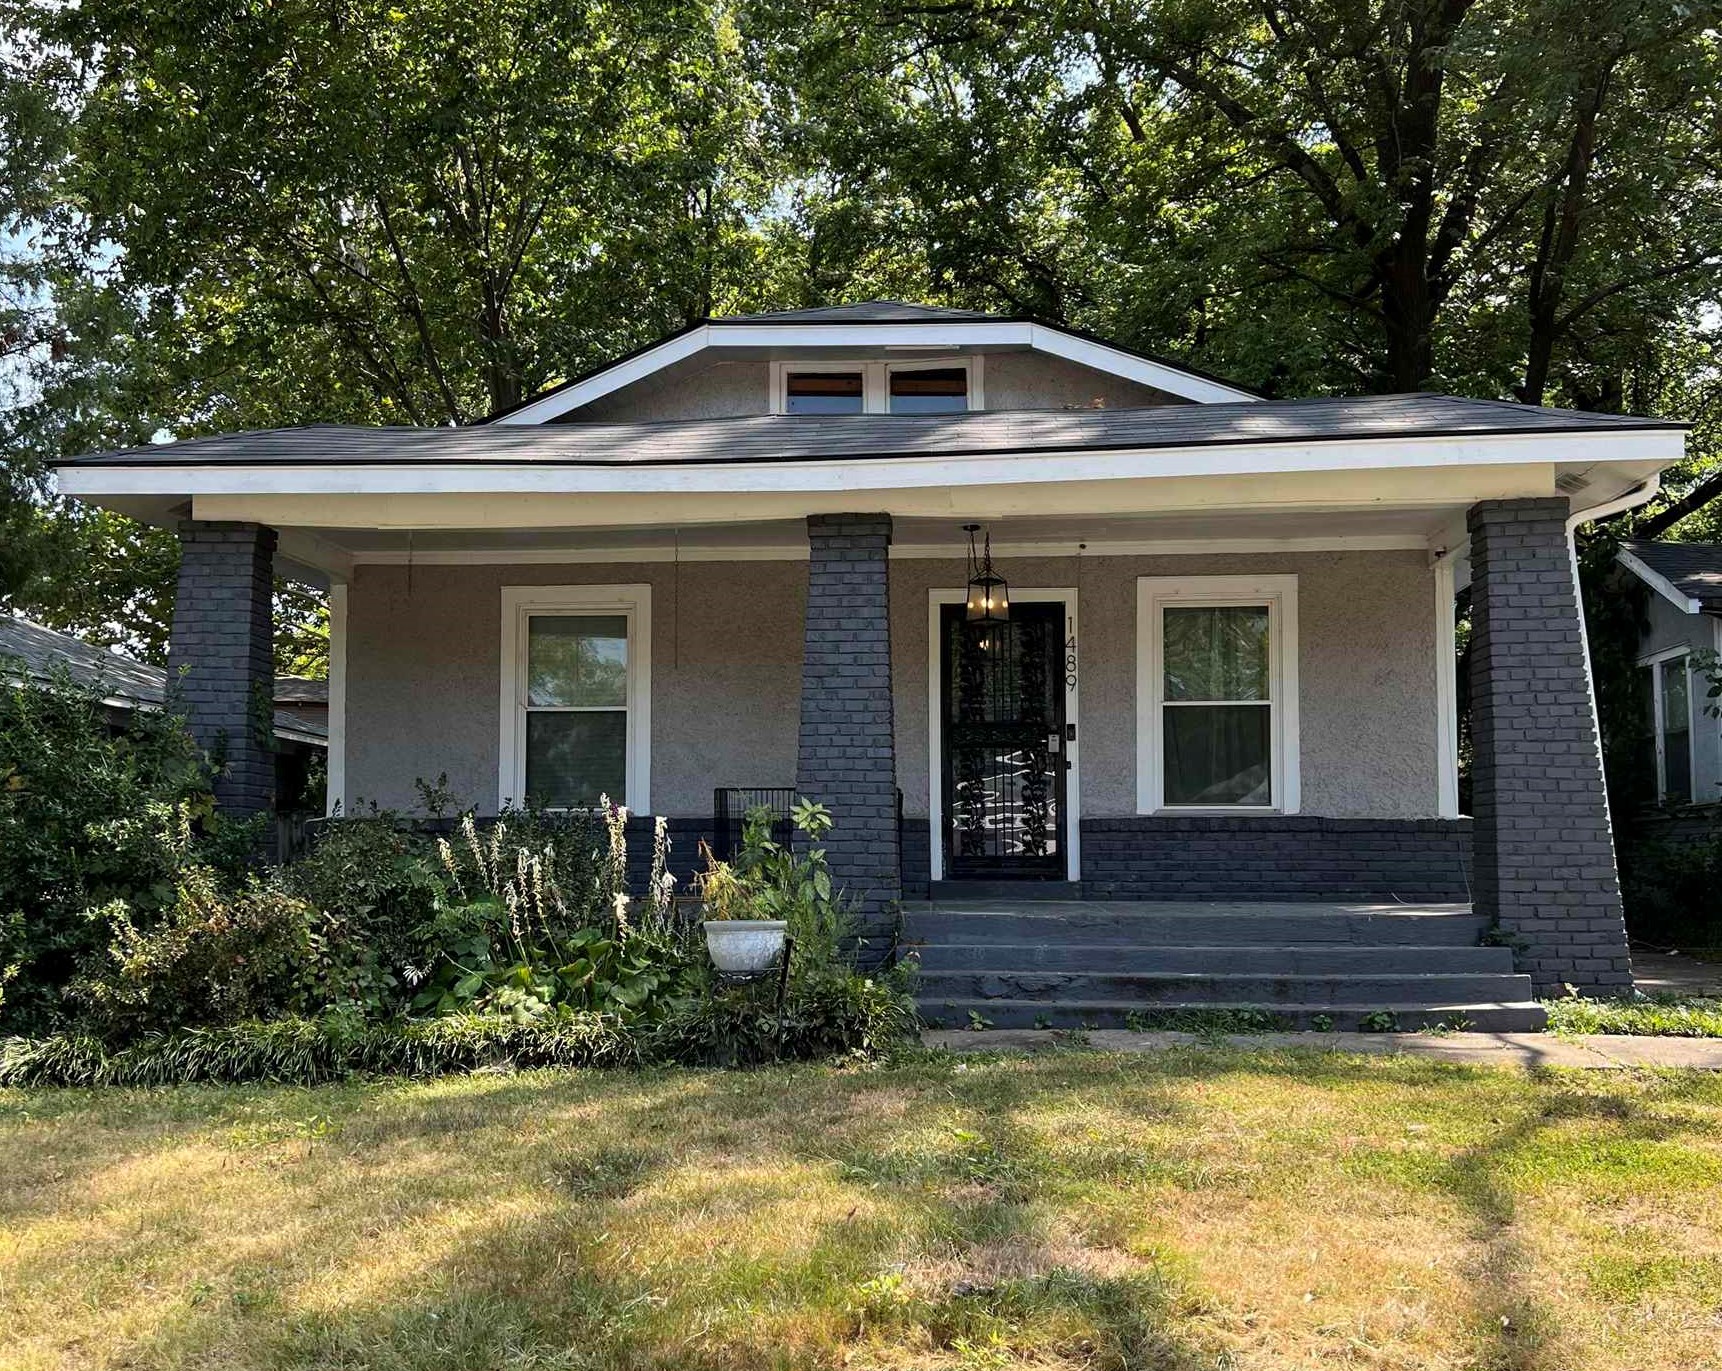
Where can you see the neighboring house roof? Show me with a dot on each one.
(1688, 574)
(871, 323)
(301, 690)
(124, 682)
(836, 437)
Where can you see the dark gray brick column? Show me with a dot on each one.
(847, 758)
(1544, 855)
(221, 658)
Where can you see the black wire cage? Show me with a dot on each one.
(730, 806)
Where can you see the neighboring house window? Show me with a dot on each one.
(1669, 698)
(824, 392)
(1217, 693)
(575, 695)
(942, 386)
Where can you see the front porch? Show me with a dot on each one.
(656, 665)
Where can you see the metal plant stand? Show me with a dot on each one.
(780, 972)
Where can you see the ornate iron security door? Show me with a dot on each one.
(1002, 693)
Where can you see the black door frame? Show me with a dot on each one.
(1071, 813)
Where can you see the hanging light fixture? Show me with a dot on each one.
(989, 596)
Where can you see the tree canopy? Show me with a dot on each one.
(227, 214)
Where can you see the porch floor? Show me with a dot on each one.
(1022, 963)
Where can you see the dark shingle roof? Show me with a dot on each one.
(1694, 569)
(301, 690)
(46, 652)
(862, 312)
(833, 437)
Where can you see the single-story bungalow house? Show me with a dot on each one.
(1679, 648)
(1127, 687)
(32, 652)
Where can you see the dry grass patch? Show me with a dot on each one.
(1206, 1209)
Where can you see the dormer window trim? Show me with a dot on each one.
(876, 378)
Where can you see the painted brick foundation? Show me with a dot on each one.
(1298, 857)
(1544, 856)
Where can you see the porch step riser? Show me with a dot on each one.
(1301, 959)
(935, 988)
(1086, 925)
(1523, 1016)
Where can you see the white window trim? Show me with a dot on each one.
(1065, 595)
(876, 378)
(1654, 662)
(519, 603)
(1279, 593)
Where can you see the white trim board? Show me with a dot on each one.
(1659, 583)
(519, 603)
(1446, 693)
(1279, 593)
(883, 474)
(1067, 596)
(335, 784)
(943, 335)
(1137, 547)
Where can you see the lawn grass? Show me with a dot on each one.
(1657, 1016)
(1204, 1208)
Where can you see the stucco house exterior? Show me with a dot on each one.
(1215, 734)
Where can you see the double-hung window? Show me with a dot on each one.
(1668, 697)
(575, 695)
(1217, 693)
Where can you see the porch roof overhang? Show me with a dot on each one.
(1432, 454)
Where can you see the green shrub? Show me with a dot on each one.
(217, 956)
(375, 882)
(1668, 888)
(84, 800)
(834, 1013)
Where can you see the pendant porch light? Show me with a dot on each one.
(988, 600)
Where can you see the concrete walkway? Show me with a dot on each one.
(1669, 973)
(1605, 1052)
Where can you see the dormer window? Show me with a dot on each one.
(824, 392)
(929, 390)
(944, 385)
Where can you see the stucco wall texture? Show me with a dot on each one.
(701, 389)
(423, 665)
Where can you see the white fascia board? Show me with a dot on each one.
(1660, 584)
(952, 336)
(877, 474)
(624, 373)
(1158, 375)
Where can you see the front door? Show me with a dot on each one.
(1002, 693)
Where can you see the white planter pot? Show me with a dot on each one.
(740, 946)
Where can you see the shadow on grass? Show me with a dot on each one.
(676, 1218)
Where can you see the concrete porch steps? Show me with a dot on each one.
(1075, 964)
(1511, 1017)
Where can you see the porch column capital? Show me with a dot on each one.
(862, 526)
(221, 655)
(1544, 853)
